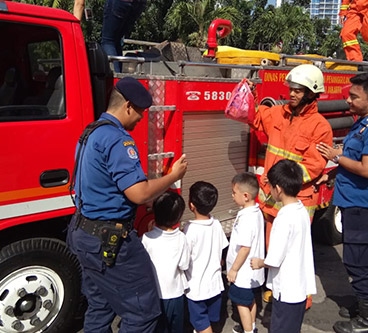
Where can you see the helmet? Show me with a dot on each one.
(308, 76)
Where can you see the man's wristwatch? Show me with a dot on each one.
(336, 159)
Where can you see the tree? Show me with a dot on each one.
(151, 25)
(191, 19)
(302, 3)
(332, 44)
(288, 23)
(247, 10)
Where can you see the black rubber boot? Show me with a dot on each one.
(359, 324)
(350, 312)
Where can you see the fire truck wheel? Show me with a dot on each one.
(327, 226)
(39, 286)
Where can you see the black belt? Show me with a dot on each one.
(93, 227)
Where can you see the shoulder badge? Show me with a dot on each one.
(132, 153)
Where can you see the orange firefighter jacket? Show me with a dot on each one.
(355, 5)
(356, 13)
(295, 140)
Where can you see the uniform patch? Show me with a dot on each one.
(128, 143)
(132, 153)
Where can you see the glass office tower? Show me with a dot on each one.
(326, 9)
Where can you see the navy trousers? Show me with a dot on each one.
(355, 253)
(118, 21)
(126, 289)
(286, 317)
(172, 318)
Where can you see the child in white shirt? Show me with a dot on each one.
(206, 241)
(246, 241)
(290, 253)
(169, 253)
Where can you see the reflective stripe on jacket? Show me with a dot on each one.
(359, 6)
(295, 140)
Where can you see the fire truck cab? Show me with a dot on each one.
(52, 85)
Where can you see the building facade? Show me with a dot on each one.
(326, 9)
(321, 9)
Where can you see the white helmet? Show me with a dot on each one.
(308, 76)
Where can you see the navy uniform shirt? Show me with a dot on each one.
(351, 190)
(109, 165)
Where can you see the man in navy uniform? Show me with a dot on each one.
(351, 195)
(118, 277)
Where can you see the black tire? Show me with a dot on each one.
(39, 286)
(326, 226)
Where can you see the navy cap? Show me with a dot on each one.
(134, 92)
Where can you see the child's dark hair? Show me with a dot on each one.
(168, 209)
(288, 175)
(247, 182)
(203, 196)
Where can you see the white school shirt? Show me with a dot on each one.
(248, 231)
(206, 240)
(290, 255)
(169, 253)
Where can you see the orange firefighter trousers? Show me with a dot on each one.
(355, 22)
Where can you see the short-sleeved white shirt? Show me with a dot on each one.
(290, 255)
(169, 253)
(248, 231)
(206, 240)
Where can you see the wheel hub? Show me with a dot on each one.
(30, 299)
(27, 306)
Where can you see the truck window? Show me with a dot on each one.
(31, 73)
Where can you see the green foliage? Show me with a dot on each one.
(302, 3)
(288, 23)
(190, 19)
(363, 47)
(254, 24)
(239, 35)
(331, 46)
(150, 26)
(92, 29)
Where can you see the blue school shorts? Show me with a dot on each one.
(241, 296)
(202, 313)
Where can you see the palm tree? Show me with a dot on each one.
(288, 23)
(191, 19)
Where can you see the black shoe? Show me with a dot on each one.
(355, 325)
(237, 328)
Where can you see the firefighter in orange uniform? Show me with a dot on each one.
(354, 17)
(293, 131)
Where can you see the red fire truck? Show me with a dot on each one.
(52, 85)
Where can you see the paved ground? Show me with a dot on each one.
(333, 291)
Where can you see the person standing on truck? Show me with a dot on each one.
(293, 131)
(78, 9)
(117, 273)
(118, 22)
(351, 196)
(354, 18)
